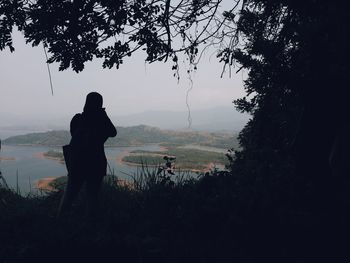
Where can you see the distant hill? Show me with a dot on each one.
(134, 136)
(214, 119)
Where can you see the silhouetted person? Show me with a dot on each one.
(87, 160)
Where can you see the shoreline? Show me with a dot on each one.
(7, 159)
(119, 160)
(127, 152)
(42, 156)
(207, 168)
(44, 184)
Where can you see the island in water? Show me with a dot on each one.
(193, 150)
(185, 158)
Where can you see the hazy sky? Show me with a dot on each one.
(135, 87)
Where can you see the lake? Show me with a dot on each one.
(31, 166)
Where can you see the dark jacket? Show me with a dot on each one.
(89, 131)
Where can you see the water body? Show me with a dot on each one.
(31, 166)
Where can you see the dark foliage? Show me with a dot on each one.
(75, 32)
(296, 57)
(216, 218)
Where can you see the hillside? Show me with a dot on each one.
(211, 119)
(133, 136)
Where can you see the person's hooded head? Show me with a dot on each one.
(93, 102)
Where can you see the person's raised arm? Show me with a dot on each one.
(110, 129)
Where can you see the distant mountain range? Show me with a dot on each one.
(134, 136)
(211, 120)
(215, 119)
